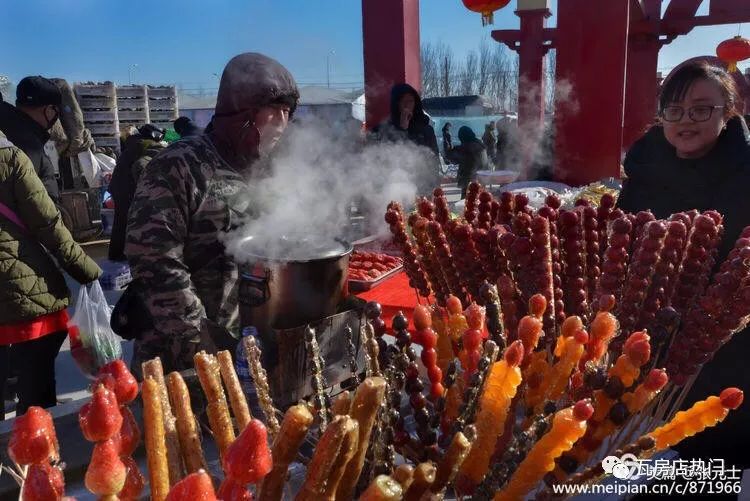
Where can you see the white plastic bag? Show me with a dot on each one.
(93, 344)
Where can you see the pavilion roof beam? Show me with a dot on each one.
(681, 9)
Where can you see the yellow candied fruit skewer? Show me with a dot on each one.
(701, 415)
(602, 330)
(444, 348)
(568, 426)
(500, 388)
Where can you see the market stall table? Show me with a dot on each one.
(395, 295)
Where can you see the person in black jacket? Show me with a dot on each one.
(470, 156)
(27, 125)
(138, 151)
(699, 158)
(409, 122)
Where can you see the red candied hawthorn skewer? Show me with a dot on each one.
(442, 212)
(417, 277)
(549, 211)
(467, 259)
(522, 204)
(541, 264)
(696, 263)
(641, 269)
(665, 273)
(570, 228)
(425, 208)
(593, 258)
(507, 208)
(445, 259)
(615, 265)
(472, 203)
(430, 262)
(721, 312)
(484, 218)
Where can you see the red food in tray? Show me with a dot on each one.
(367, 268)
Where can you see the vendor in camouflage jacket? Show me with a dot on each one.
(189, 195)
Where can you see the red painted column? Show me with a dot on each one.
(531, 52)
(641, 91)
(390, 30)
(591, 57)
(642, 88)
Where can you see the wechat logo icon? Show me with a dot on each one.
(622, 468)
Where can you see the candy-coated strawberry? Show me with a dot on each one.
(33, 439)
(134, 481)
(126, 386)
(195, 487)
(100, 419)
(130, 434)
(44, 482)
(248, 459)
(106, 472)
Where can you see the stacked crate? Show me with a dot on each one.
(162, 105)
(132, 105)
(98, 102)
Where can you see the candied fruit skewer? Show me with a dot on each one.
(701, 415)
(500, 387)
(568, 426)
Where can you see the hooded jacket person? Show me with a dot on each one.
(470, 155)
(27, 125)
(138, 151)
(191, 193)
(409, 122)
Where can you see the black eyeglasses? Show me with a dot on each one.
(700, 113)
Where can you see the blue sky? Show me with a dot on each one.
(187, 42)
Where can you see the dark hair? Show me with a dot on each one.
(447, 124)
(679, 82)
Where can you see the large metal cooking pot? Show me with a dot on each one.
(290, 282)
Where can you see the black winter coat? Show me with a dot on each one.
(30, 137)
(136, 154)
(470, 156)
(419, 132)
(659, 181)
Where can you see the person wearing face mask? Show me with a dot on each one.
(698, 157)
(184, 295)
(27, 125)
(409, 122)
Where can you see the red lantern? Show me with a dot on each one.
(485, 7)
(733, 50)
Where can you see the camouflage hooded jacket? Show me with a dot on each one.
(184, 200)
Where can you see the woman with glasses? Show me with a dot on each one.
(698, 157)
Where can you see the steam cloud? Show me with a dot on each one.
(313, 180)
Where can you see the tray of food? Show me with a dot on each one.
(369, 269)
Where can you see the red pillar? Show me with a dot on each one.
(390, 30)
(531, 52)
(642, 88)
(641, 92)
(591, 57)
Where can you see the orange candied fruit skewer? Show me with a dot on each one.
(568, 426)
(602, 330)
(500, 388)
(645, 392)
(635, 353)
(456, 324)
(534, 376)
(530, 328)
(444, 348)
(570, 351)
(701, 415)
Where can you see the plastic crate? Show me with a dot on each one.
(97, 103)
(131, 91)
(130, 115)
(162, 116)
(107, 142)
(167, 91)
(100, 116)
(99, 89)
(115, 275)
(100, 129)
